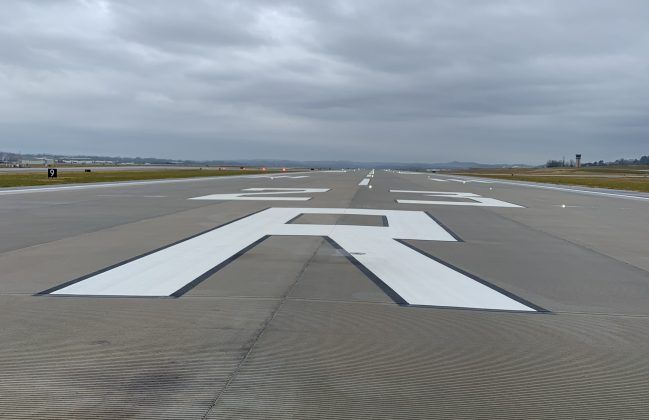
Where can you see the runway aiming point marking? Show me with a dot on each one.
(256, 194)
(475, 199)
(409, 276)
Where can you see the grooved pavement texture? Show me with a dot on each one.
(292, 329)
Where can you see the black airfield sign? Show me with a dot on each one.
(52, 173)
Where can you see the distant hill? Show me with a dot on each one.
(7, 157)
(377, 165)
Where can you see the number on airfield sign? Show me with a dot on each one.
(52, 173)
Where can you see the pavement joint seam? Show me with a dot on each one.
(110, 227)
(260, 333)
(584, 247)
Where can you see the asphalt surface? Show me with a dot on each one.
(298, 326)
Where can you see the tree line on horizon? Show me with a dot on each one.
(643, 160)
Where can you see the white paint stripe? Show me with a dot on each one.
(119, 184)
(438, 179)
(280, 176)
(482, 202)
(132, 196)
(419, 280)
(364, 181)
(573, 190)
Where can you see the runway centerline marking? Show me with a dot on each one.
(476, 200)
(408, 276)
(256, 194)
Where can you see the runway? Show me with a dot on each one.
(357, 294)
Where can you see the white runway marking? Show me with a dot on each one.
(463, 181)
(477, 200)
(416, 278)
(256, 194)
(573, 190)
(281, 176)
(117, 184)
(367, 179)
(132, 195)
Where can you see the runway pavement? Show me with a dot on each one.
(325, 295)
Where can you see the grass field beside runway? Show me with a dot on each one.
(619, 178)
(64, 177)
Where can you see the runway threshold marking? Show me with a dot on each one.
(476, 200)
(256, 194)
(409, 276)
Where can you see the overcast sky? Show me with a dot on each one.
(426, 81)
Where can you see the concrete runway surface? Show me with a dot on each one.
(353, 295)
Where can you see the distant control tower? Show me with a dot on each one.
(578, 159)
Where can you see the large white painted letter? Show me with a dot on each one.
(415, 278)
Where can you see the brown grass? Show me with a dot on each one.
(619, 178)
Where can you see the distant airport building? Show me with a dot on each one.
(578, 160)
(37, 161)
(81, 161)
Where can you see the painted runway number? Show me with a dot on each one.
(460, 199)
(411, 277)
(257, 194)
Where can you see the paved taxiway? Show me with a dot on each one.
(502, 301)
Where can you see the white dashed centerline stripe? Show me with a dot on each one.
(368, 178)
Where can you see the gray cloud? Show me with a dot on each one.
(364, 80)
